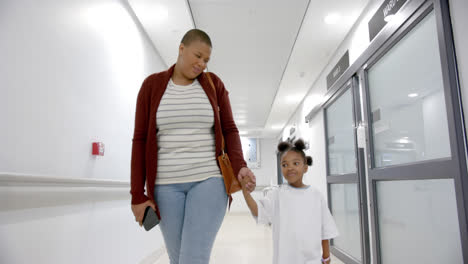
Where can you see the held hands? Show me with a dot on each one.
(247, 179)
(245, 184)
(139, 210)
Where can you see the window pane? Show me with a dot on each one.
(418, 222)
(409, 119)
(345, 210)
(340, 135)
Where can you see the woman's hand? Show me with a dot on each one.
(247, 173)
(139, 210)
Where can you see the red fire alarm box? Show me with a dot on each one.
(98, 148)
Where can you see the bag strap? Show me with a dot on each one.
(216, 96)
(222, 136)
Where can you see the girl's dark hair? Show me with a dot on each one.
(298, 147)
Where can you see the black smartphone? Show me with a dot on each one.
(150, 218)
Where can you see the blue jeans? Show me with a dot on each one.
(191, 215)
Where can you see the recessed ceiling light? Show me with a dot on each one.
(412, 95)
(242, 132)
(403, 140)
(276, 127)
(332, 18)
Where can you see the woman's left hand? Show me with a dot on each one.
(246, 172)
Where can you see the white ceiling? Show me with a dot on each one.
(267, 52)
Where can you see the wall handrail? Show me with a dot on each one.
(14, 179)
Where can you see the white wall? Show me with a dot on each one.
(69, 76)
(266, 175)
(72, 225)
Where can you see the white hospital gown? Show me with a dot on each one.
(300, 220)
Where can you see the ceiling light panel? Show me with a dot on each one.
(314, 47)
(252, 41)
(332, 19)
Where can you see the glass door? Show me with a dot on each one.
(413, 162)
(343, 176)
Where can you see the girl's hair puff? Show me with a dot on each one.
(298, 147)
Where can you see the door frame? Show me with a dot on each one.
(358, 177)
(442, 168)
(411, 13)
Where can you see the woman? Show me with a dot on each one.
(179, 125)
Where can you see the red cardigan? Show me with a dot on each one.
(144, 148)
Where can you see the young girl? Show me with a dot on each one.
(301, 221)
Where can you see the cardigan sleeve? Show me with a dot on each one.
(138, 163)
(229, 128)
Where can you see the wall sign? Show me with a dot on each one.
(338, 70)
(383, 15)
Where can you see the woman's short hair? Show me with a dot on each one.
(196, 35)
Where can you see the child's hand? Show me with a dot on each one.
(246, 184)
(247, 180)
(244, 181)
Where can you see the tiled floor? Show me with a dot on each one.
(241, 241)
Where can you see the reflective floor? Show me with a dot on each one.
(241, 241)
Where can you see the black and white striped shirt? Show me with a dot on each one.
(186, 140)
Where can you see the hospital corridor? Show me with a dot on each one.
(253, 243)
(233, 131)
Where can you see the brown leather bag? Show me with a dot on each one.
(230, 180)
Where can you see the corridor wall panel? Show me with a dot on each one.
(70, 72)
